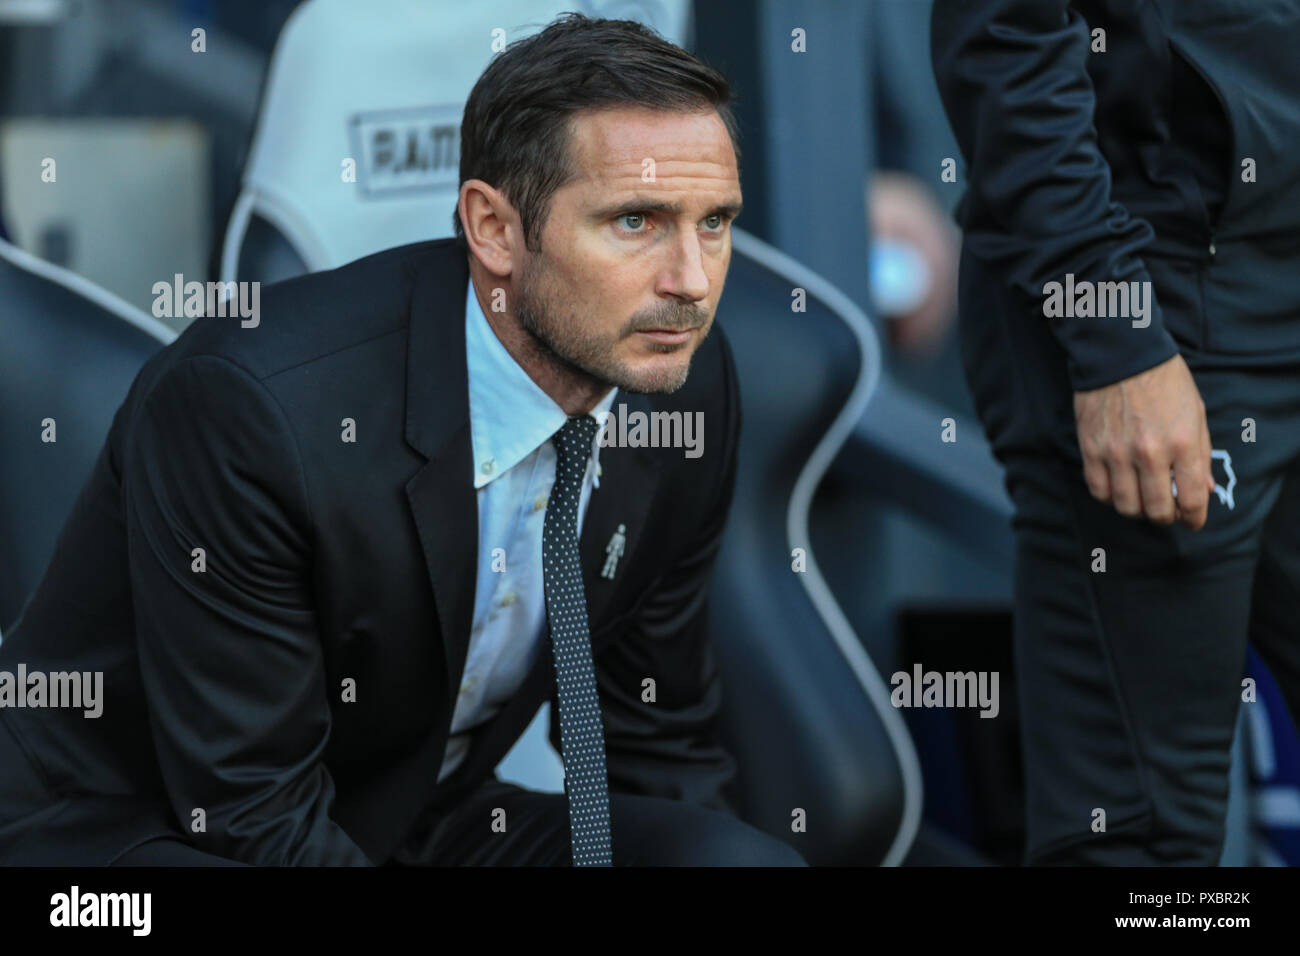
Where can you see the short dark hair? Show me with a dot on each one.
(515, 131)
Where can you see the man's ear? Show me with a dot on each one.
(491, 226)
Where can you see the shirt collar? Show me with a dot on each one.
(510, 416)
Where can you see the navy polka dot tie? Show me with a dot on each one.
(582, 735)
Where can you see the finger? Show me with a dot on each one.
(1195, 484)
(1097, 477)
(1206, 448)
(1124, 488)
(1157, 495)
(1209, 461)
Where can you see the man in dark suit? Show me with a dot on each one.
(331, 563)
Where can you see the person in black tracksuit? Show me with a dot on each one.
(1164, 149)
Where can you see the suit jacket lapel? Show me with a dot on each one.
(441, 493)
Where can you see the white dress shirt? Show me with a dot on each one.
(511, 423)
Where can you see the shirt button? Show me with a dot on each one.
(539, 502)
(469, 684)
(508, 599)
(489, 466)
(1213, 251)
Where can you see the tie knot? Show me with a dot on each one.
(573, 443)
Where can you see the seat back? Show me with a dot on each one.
(71, 351)
(806, 712)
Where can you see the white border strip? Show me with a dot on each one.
(797, 524)
(87, 290)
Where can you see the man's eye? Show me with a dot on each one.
(633, 220)
(714, 221)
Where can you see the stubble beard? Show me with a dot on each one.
(564, 340)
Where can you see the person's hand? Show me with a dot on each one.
(1134, 432)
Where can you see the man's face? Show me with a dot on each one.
(635, 249)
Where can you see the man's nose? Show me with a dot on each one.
(686, 277)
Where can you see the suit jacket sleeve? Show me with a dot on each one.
(1013, 78)
(230, 657)
(670, 748)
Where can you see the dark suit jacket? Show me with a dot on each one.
(330, 562)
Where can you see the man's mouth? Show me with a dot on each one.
(668, 336)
